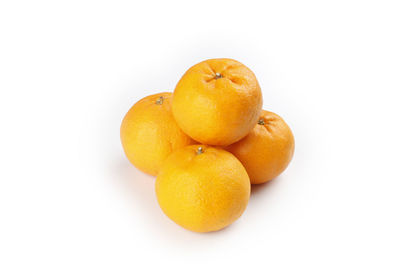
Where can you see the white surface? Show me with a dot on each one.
(69, 70)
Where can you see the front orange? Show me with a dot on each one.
(267, 150)
(217, 101)
(203, 188)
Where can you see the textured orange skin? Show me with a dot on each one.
(217, 111)
(149, 133)
(203, 192)
(267, 150)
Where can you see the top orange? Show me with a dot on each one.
(217, 101)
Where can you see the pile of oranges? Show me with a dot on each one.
(206, 143)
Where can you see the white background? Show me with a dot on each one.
(69, 70)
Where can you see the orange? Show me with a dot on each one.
(267, 150)
(202, 188)
(217, 101)
(149, 133)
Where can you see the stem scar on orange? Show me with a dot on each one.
(217, 101)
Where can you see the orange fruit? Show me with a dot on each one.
(149, 133)
(217, 101)
(267, 150)
(202, 188)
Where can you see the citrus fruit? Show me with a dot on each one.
(217, 101)
(149, 133)
(267, 150)
(202, 188)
